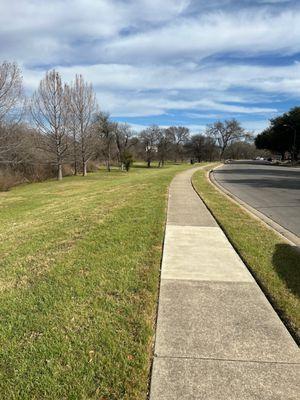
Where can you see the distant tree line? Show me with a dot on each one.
(283, 135)
(61, 131)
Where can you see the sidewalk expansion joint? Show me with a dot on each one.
(225, 360)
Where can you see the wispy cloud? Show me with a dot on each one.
(164, 61)
(247, 33)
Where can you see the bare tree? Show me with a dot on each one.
(165, 143)
(201, 148)
(73, 131)
(150, 138)
(49, 109)
(196, 147)
(105, 130)
(242, 150)
(211, 149)
(82, 107)
(225, 133)
(11, 108)
(180, 135)
(12, 140)
(11, 89)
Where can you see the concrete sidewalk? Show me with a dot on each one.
(217, 335)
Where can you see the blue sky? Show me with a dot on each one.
(167, 62)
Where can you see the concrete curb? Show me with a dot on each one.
(268, 222)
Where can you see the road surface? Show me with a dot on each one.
(272, 190)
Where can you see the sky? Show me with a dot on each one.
(165, 62)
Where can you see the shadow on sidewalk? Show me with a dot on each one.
(286, 261)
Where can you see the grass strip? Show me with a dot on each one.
(79, 274)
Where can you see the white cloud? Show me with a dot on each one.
(183, 76)
(248, 32)
(145, 104)
(59, 32)
(155, 90)
(255, 126)
(251, 126)
(194, 129)
(149, 58)
(56, 31)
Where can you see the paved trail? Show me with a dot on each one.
(218, 338)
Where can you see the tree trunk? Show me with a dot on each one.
(84, 168)
(108, 158)
(75, 157)
(75, 167)
(221, 156)
(59, 173)
(148, 163)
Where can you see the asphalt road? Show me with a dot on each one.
(274, 191)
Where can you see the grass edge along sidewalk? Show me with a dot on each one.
(273, 262)
(79, 275)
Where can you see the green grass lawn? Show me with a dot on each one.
(79, 278)
(274, 263)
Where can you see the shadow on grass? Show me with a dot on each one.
(286, 261)
(153, 166)
(143, 166)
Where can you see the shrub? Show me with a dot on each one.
(67, 170)
(92, 166)
(127, 160)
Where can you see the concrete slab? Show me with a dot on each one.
(220, 320)
(181, 199)
(214, 234)
(190, 379)
(189, 218)
(201, 253)
(185, 207)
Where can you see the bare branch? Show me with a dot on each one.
(49, 110)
